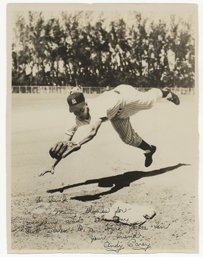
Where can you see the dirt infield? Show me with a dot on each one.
(65, 220)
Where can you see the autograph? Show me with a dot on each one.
(135, 245)
(115, 247)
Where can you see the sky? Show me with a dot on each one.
(110, 11)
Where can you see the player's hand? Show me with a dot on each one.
(63, 148)
(72, 147)
(57, 151)
(51, 170)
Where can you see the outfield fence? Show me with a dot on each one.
(86, 90)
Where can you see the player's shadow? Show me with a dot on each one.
(115, 182)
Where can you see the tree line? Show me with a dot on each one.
(67, 51)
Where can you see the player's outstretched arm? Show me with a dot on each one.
(61, 150)
(92, 133)
(64, 148)
(70, 133)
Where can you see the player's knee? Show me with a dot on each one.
(133, 140)
(127, 140)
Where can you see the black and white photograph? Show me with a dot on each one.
(102, 128)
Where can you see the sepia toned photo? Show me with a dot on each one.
(102, 128)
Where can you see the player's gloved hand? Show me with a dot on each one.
(57, 151)
(63, 148)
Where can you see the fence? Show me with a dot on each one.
(86, 90)
(53, 89)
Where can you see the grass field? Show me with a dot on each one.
(41, 221)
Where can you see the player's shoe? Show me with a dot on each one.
(172, 97)
(148, 156)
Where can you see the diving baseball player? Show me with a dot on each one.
(116, 106)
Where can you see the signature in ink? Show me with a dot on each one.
(115, 247)
(135, 245)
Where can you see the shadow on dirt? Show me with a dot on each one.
(115, 182)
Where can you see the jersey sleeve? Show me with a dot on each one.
(80, 123)
(106, 106)
(71, 131)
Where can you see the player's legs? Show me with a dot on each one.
(139, 100)
(151, 96)
(145, 100)
(129, 136)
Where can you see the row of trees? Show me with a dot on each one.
(69, 51)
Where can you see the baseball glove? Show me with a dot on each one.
(63, 149)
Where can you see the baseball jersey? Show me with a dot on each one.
(121, 102)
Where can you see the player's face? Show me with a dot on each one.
(82, 113)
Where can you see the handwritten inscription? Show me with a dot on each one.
(136, 245)
(132, 239)
(114, 247)
(74, 219)
(137, 234)
(110, 236)
(97, 210)
(110, 228)
(97, 238)
(120, 210)
(161, 225)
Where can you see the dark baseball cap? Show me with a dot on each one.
(75, 100)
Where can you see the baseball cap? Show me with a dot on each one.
(75, 100)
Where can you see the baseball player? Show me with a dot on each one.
(116, 106)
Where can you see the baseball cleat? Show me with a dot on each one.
(172, 97)
(148, 156)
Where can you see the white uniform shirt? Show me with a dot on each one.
(104, 106)
(121, 102)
